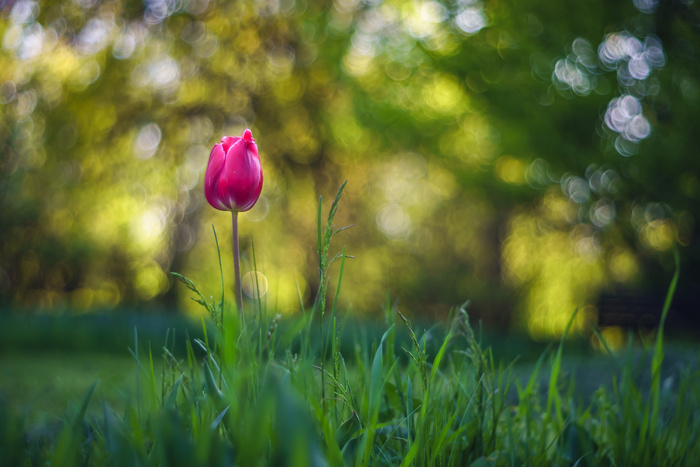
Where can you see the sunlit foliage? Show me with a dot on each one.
(491, 147)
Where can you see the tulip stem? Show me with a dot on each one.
(237, 267)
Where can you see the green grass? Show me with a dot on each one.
(43, 383)
(292, 392)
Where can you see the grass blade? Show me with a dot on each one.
(172, 397)
(553, 393)
(658, 356)
(376, 384)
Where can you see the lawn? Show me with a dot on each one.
(397, 402)
(43, 384)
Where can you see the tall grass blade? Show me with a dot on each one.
(376, 384)
(340, 282)
(658, 356)
(553, 393)
(218, 419)
(154, 385)
(320, 238)
(221, 273)
(172, 397)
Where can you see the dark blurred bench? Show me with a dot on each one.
(643, 311)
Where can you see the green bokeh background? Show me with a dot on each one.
(473, 136)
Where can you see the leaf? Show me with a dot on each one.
(553, 396)
(217, 420)
(377, 378)
(172, 397)
(214, 390)
(376, 384)
(336, 456)
(78, 421)
(441, 438)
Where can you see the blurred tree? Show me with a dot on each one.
(526, 156)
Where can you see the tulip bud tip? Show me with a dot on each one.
(247, 135)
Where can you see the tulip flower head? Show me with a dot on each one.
(234, 178)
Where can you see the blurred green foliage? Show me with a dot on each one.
(526, 155)
(95, 332)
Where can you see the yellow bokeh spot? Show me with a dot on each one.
(150, 281)
(660, 234)
(556, 207)
(472, 142)
(614, 337)
(355, 64)
(63, 63)
(510, 170)
(445, 95)
(623, 265)
(248, 40)
(442, 181)
(288, 90)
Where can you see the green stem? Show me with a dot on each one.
(237, 267)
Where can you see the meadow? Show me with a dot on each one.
(321, 389)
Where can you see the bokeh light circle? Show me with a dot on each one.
(254, 284)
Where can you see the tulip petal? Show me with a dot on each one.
(253, 149)
(213, 176)
(243, 176)
(227, 141)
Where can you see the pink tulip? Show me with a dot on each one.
(234, 177)
(233, 183)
